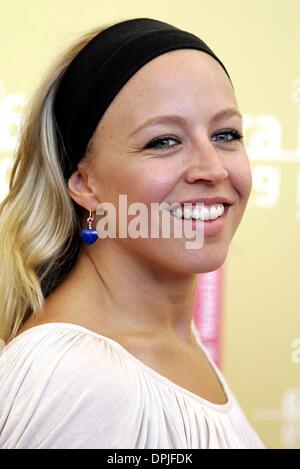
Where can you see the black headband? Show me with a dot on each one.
(99, 71)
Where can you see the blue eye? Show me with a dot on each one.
(224, 136)
(155, 143)
(228, 136)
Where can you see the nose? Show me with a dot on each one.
(205, 165)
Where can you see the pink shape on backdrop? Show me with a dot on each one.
(208, 311)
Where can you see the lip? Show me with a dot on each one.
(208, 201)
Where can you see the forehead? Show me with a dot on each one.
(176, 81)
(172, 70)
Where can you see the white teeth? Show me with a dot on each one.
(187, 212)
(213, 213)
(197, 212)
(221, 210)
(203, 212)
(178, 212)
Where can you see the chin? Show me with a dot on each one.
(208, 262)
(185, 262)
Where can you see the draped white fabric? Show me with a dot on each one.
(64, 386)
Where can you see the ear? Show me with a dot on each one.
(81, 189)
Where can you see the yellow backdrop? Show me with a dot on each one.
(258, 41)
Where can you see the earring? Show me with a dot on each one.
(89, 235)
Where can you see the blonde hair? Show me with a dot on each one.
(39, 221)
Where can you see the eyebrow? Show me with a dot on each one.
(228, 112)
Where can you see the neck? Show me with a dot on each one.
(133, 298)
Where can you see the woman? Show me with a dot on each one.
(101, 349)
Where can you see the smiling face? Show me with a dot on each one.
(198, 157)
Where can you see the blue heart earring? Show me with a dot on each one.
(89, 235)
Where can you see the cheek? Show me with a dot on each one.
(150, 182)
(241, 177)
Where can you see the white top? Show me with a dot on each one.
(64, 386)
